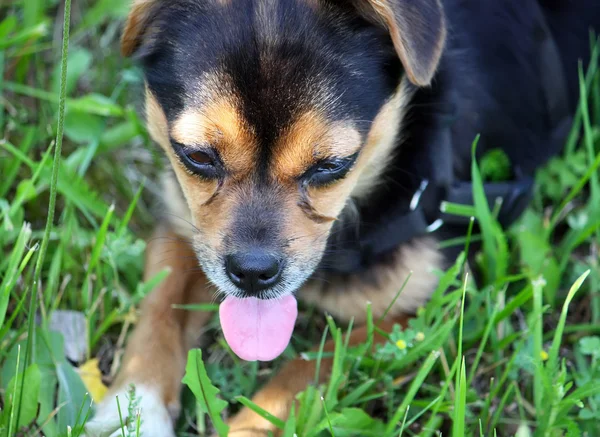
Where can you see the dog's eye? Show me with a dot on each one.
(329, 171)
(328, 167)
(201, 163)
(204, 163)
(200, 158)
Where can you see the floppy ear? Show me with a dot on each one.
(137, 26)
(418, 32)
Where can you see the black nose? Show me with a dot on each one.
(252, 271)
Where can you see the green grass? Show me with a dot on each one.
(517, 353)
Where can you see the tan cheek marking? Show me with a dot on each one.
(220, 125)
(213, 219)
(381, 141)
(196, 191)
(157, 121)
(328, 202)
(306, 237)
(179, 216)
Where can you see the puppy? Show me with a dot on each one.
(311, 144)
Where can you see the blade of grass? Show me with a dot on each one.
(280, 424)
(320, 355)
(560, 327)
(483, 342)
(12, 414)
(460, 403)
(88, 298)
(537, 332)
(53, 191)
(391, 304)
(412, 391)
(13, 272)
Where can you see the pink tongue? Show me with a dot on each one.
(258, 329)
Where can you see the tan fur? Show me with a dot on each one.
(219, 125)
(156, 121)
(381, 141)
(310, 138)
(179, 216)
(347, 298)
(196, 191)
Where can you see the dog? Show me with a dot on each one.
(311, 144)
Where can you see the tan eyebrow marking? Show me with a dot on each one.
(220, 125)
(310, 138)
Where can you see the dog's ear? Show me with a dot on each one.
(418, 32)
(137, 27)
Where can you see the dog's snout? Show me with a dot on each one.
(253, 271)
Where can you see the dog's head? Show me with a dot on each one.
(274, 114)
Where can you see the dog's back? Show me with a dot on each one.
(509, 73)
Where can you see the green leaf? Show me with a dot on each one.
(495, 166)
(26, 190)
(352, 422)
(92, 103)
(71, 395)
(494, 244)
(82, 127)
(290, 425)
(103, 10)
(590, 346)
(28, 399)
(7, 26)
(58, 377)
(17, 261)
(205, 392)
(78, 63)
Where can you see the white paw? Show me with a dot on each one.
(154, 416)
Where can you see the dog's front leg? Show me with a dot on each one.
(278, 395)
(155, 356)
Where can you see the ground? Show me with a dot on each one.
(517, 353)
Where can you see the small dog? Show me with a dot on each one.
(311, 144)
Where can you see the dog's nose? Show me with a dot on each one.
(253, 272)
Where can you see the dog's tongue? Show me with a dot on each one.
(258, 329)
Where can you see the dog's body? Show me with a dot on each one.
(300, 134)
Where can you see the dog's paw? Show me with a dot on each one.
(155, 418)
